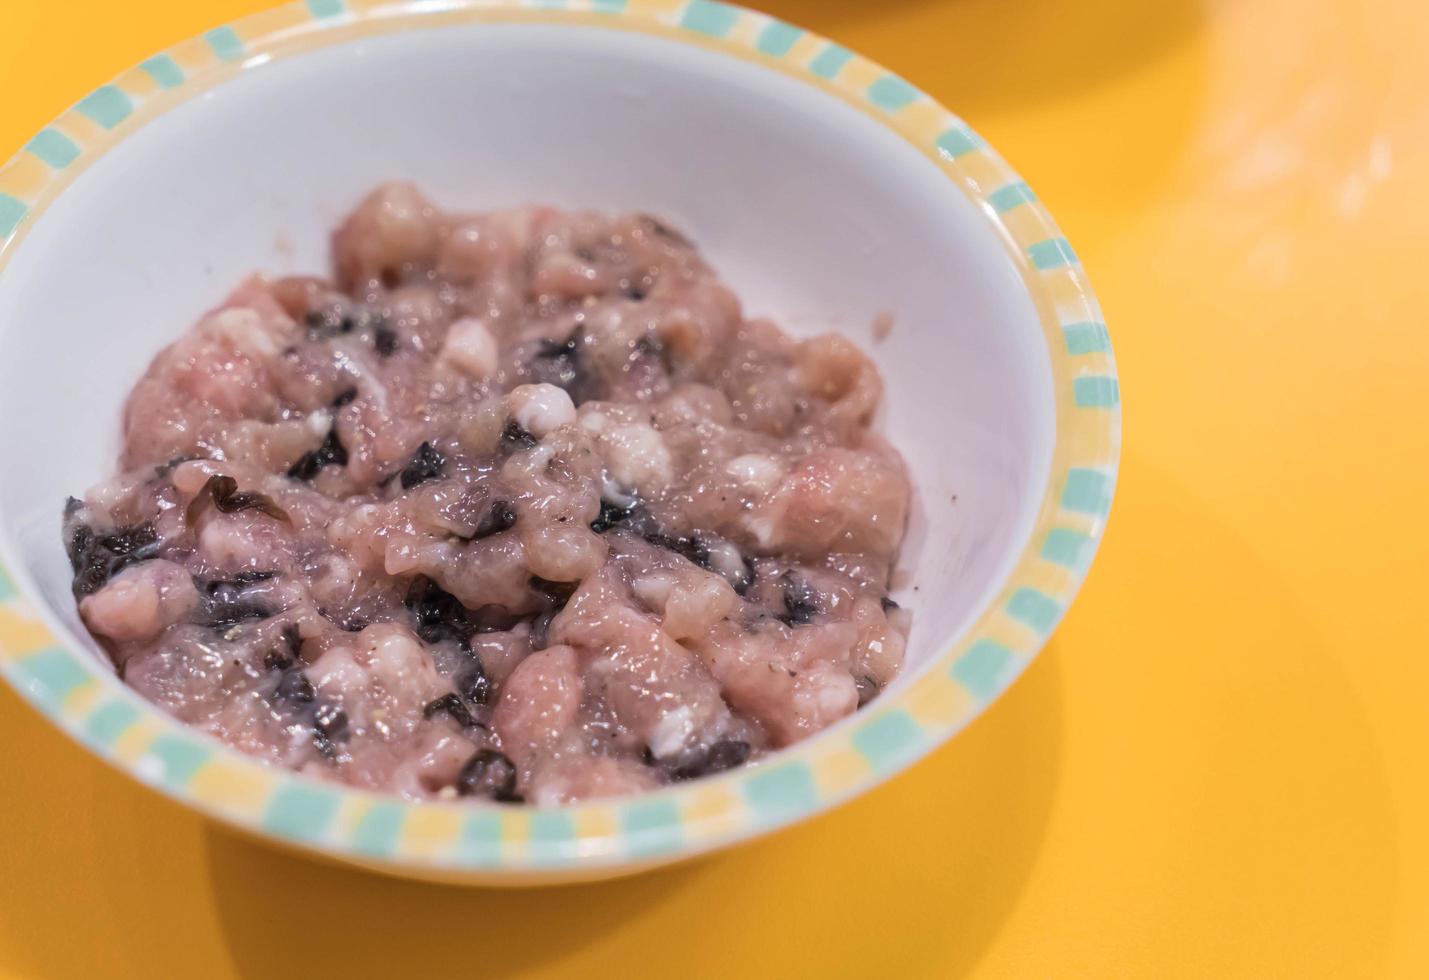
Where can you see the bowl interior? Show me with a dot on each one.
(815, 213)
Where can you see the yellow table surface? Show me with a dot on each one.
(1220, 765)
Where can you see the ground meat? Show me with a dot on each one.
(518, 507)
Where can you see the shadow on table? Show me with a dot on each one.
(954, 841)
(1253, 777)
(1066, 90)
(987, 55)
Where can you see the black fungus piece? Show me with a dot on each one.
(79, 543)
(330, 729)
(329, 321)
(562, 364)
(888, 604)
(657, 227)
(725, 754)
(695, 547)
(800, 602)
(96, 558)
(687, 546)
(164, 469)
(635, 519)
(331, 452)
(222, 616)
(322, 322)
(729, 563)
(494, 618)
(558, 362)
(281, 658)
(473, 684)
(294, 688)
(224, 603)
(491, 774)
(649, 346)
(453, 706)
(867, 687)
(222, 493)
(325, 746)
(384, 341)
(348, 624)
(499, 516)
(515, 439)
(611, 516)
(440, 615)
(744, 578)
(426, 464)
(344, 397)
(540, 637)
(555, 595)
(337, 319)
(331, 721)
(81, 540)
(72, 506)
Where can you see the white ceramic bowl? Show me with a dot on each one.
(825, 190)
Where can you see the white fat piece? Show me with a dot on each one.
(471, 348)
(540, 409)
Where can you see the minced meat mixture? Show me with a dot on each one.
(518, 506)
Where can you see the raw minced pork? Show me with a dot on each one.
(519, 506)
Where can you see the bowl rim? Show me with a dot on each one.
(493, 843)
